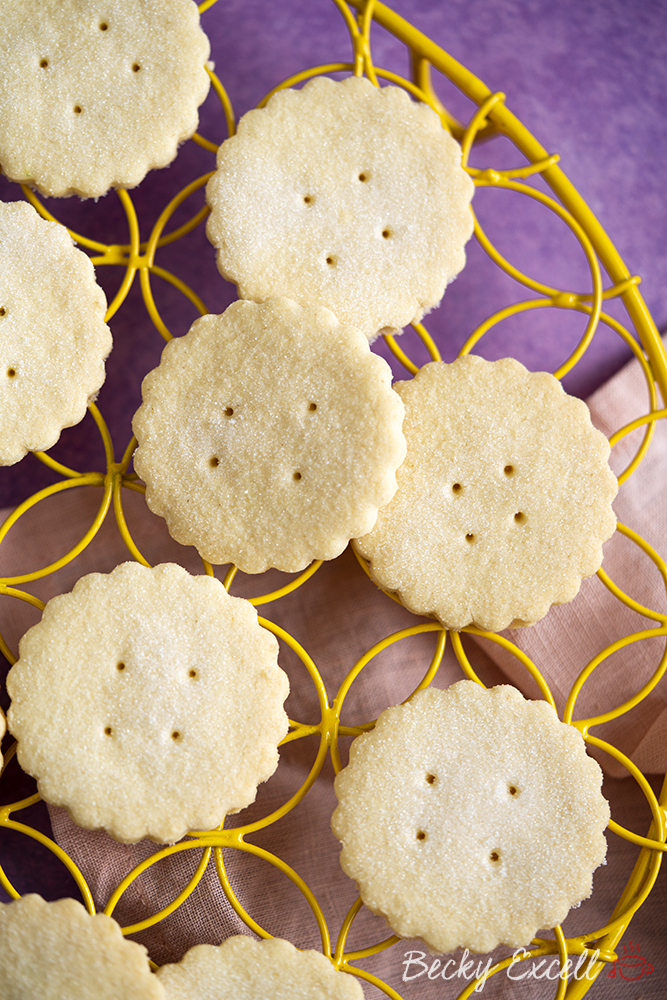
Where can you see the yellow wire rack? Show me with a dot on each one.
(137, 258)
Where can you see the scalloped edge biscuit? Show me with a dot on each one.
(486, 824)
(244, 969)
(55, 950)
(503, 501)
(269, 436)
(346, 194)
(148, 702)
(53, 338)
(94, 97)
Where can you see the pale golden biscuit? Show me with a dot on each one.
(471, 817)
(504, 499)
(148, 702)
(53, 338)
(52, 951)
(244, 969)
(94, 96)
(268, 436)
(346, 194)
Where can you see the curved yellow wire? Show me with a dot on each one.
(491, 117)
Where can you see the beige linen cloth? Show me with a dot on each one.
(337, 616)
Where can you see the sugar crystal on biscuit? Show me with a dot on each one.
(503, 501)
(90, 101)
(243, 969)
(56, 950)
(53, 338)
(471, 817)
(346, 194)
(148, 702)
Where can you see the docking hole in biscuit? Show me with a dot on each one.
(308, 199)
(421, 186)
(309, 455)
(147, 123)
(120, 666)
(3, 311)
(149, 777)
(463, 421)
(229, 412)
(430, 778)
(495, 869)
(331, 261)
(214, 462)
(11, 373)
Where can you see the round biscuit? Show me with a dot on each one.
(346, 194)
(55, 950)
(503, 501)
(244, 969)
(269, 436)
(53, 338)
(471, 817)
(148, 702)
(94, 96)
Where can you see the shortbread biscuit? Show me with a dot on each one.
(268, 436)
(148, 702)
(94, 96)
(504, 499)
(53, 338)
(346, 194)
(471, 817)
(49, 951)
(244, 969)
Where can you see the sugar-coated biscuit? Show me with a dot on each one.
(342, 193)
(471, 817)
(53, 951)
(94, 96)
(503, 501)
(244, 969)
(148, 702)
(53, 338)
(268, 436)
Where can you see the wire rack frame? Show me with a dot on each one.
(137, 257)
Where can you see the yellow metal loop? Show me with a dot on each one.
(538, 170)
